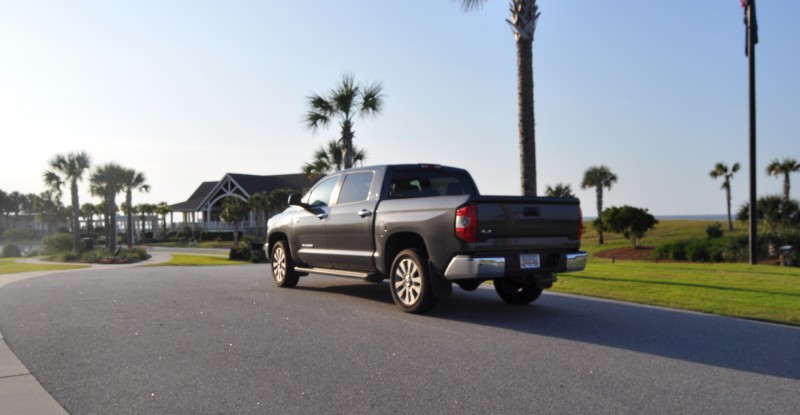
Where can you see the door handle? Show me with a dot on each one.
(322, 216)
(364, 213)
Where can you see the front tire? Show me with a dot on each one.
(409, 282)
(516, 292)
(283, 266)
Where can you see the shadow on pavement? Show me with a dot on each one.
(738, 344)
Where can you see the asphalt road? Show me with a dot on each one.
(225, 340)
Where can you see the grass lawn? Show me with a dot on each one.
(10, 266)
(197, 260)
(761, 292)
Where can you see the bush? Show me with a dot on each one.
(18, 235)
(694, 250)
(675, 251)
(11, 251)
(246, 251)
(125, 256)
(58, 243)
(714, 230)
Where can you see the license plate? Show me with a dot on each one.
(528, 261)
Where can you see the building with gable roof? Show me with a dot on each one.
(203, 208)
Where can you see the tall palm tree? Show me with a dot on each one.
(328, 160)
(524, 15)
(721, 170)
(132, 180)
(107, 181)
(69, 169)
(599, 177)
(345, 102)
(559, 190)
(783, 168)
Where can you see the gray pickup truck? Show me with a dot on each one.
(425, 227)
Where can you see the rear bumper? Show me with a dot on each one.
(464, 267)
(576, 261)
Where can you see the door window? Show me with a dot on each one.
(321, 195)
(355, 187)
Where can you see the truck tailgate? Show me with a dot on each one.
(512, 220)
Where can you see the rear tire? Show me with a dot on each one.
(516, 292)
(409, 282)
(283, 266)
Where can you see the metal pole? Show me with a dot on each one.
(751, 39)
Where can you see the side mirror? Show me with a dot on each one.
(294, 200)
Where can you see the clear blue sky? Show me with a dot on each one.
(186, 91)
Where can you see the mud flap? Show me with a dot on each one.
(439, 285)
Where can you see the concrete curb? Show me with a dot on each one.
(20, 392)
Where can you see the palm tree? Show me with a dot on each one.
(69, 169)
(783, 168)
(162, 209)
(146, 209)
(328, 160)
(132, 180)
(234, 210)
(599, 177)
(49, 209)
(107, 181)
(259, 204)
(559, 190)
(345, 102)
(87, 212)
(524, 15)
(721, 170)
(278, 200)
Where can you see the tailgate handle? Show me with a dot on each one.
(530, 211)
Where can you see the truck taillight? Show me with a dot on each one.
(580, 223)
(467, 223)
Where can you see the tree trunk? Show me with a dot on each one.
(129, 227)
(786, 187)
(76, 224)
(730, 220)
(600, 238)
(527, 122)
(347, 143)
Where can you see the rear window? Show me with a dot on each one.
(428, 183)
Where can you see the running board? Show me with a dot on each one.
(369, 276)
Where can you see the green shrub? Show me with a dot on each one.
(240, 252)
(54, 244)
(18, 235)
(134, 254)
(11, 251)
(714, 230)
(675, 251)
(694, 250)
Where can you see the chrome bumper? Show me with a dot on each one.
(464, 267)
(576, 261)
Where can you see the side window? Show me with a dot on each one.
(355, 187)
(321, 195)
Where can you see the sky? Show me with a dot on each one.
(187, 91)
